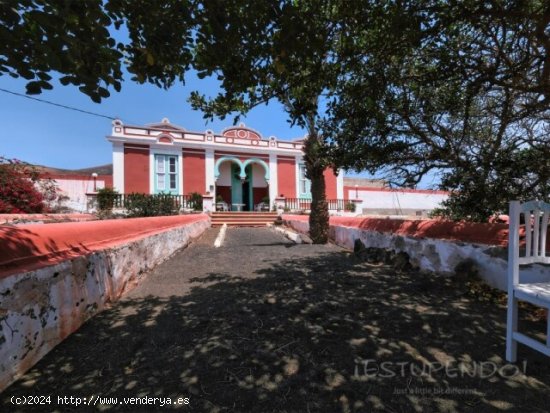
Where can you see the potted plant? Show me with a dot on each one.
(195, 201)
(350, 206)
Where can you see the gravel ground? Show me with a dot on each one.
(264, 325)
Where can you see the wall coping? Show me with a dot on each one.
(6, 218)
(471, 232)
(31, 246)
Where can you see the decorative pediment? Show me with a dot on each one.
(165, 138)
(165, 124)
(241, 132)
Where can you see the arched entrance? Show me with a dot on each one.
(241, 185)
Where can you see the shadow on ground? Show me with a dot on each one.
(296, 339)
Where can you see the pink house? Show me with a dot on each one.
(238, 165)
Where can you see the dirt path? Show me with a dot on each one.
(263, 325)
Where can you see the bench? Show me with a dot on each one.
(535, 250)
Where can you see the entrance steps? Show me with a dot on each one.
(242, 219)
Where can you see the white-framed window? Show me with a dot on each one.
(166, 173)
(304, 184)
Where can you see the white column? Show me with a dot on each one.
(273, 182)
(208, 203)
(152, 170)
(297, 163)
(340, 185)
(180, 172)
(209, 169)
(118, 166)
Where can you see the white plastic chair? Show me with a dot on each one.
(262, 206)
(536, 215)
(222, 206)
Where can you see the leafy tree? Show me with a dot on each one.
(510, 44)
(463, 93)
(75, 39)
(522, 174)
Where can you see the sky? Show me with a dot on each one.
(42, 134)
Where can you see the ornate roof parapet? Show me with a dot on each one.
(165, 124)
(167, 133)
(241, 132)
(117, 126)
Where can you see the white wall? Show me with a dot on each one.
(225, 174)
(397, 200)
(76, 190)
(258, 176)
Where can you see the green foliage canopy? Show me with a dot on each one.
(75, 40)
(463, 92)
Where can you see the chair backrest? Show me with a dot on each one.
(536, 215)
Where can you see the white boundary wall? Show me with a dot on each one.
(76, 190)
(435, 255)
(397, 202)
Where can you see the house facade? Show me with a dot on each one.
(238, 166)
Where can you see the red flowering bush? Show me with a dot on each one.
(20, 188)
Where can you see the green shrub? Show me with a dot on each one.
(350, 206)
(195, 201)
(145, 205)
(106, 198)
(166, 204)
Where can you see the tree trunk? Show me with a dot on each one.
(318, 218)
(315, 168)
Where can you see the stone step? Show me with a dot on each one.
(244, 214)
(240, 223)
(242, 218)
(260, 219)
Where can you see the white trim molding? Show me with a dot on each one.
(165, 151)
(118, 167)
(297, 162)
(273, 178)
(340, 184)
(209, 165)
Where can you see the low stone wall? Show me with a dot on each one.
(55, 277)
(432, 245)
(44, 218)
